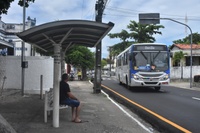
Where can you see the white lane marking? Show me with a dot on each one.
(196, 98)
(138, 122)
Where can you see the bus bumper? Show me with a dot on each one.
(149, 83)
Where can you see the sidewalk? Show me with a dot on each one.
(26, 114)
(185, 85)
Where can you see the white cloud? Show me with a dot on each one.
(117, 11)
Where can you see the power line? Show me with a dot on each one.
(124, 12)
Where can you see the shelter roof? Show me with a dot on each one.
(66, 33)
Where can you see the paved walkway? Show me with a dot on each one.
(186, 85)
(26, 114)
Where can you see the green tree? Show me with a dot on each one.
(5, 5)
(143, 33)
(103, 63)
(138, 32)
(123, 35)
(187, 39)
(178, 60)
(80, 57)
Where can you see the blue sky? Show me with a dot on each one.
(119, 12)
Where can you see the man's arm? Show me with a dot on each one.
(71, 96)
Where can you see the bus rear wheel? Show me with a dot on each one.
(157, 88)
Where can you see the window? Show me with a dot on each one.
(119, 61)
(125, 60)
(10, 26)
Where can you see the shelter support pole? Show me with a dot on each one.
(63, 62)
(97, 79)
(57, 72)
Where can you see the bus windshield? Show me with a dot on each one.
(150, 61)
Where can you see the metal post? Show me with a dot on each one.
(190, 46)
(63, 62)
(41, 86)
(110, 59)
(97, 80)
(22, 51)
(57, 73)
(151, 17)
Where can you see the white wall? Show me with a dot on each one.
(175, 72)
(36, 66)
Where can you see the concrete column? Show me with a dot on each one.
(57, 73)
(63, 62)
(97, 79)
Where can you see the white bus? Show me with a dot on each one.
(144, 65)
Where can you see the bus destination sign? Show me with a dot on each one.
(150, 48)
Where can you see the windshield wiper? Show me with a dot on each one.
(156, 55)
(143, 55)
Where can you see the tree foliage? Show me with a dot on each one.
(143, 33)
(103, 63)
(5, 5)
(117, 48)
(80, 57)
(138, 34)
(187, 39)
(178, 57)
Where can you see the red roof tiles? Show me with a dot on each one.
(187, 46)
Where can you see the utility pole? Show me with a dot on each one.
(99, 7)
(110, 59)
(23, 52)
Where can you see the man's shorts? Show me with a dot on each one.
(71, 102)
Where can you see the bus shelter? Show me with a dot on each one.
(57, 37)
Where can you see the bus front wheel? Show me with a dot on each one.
(119, 81)
(127, 86)
(157, 88)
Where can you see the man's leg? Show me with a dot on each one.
(73, 114)
(77, 119)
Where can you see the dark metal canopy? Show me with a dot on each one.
(66, 33)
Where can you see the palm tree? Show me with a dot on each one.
(143, 32)
(140, 33)
(178, 58)
(123, 35)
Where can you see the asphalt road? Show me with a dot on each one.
(178, 107)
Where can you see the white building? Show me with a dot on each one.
(8, 34)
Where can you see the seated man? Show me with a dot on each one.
(66, 97)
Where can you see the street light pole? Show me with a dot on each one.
(190, 46)
(22, 51)
(149, 18)
(109, 48)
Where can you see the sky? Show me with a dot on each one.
(119, 12)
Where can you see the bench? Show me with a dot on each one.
(48, 104)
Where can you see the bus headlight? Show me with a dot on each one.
(165, 77)
(136, 77)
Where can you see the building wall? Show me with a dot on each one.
(187, 52)
(175, 72)
(8, 33)
(37, 66)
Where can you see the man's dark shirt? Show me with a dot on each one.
(64, 89)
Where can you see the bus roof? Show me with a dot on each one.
(140, 45)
